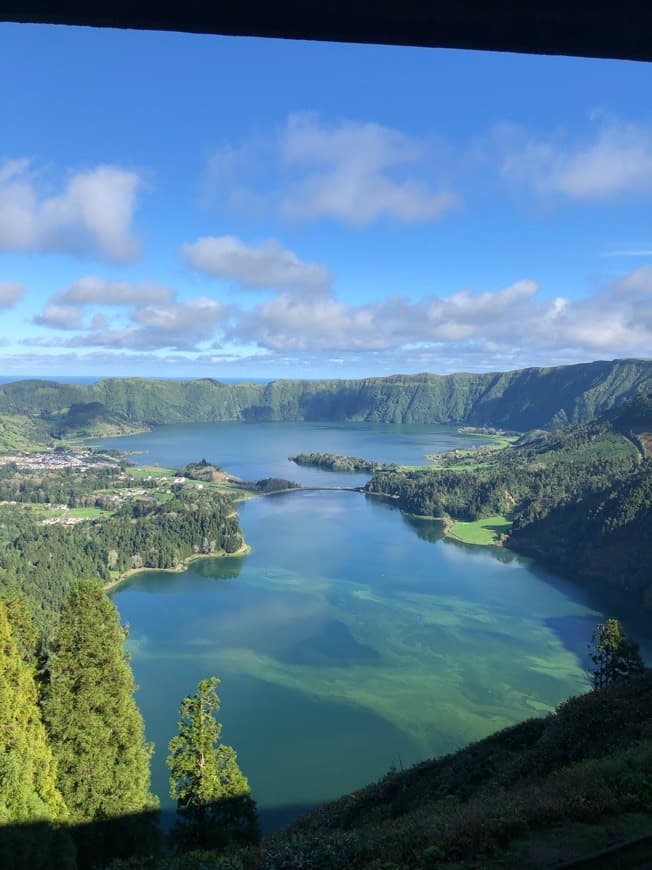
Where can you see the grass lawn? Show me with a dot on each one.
(142, 471)
(484, 532)
(40, 512)
(86, 513)
(499, 440)
(162, 497)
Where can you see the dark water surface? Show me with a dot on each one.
(352, 637)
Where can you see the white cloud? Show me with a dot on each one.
(96, 361)
(637, 283)
(59, 316)
(196, 317)
(91, 290)
(616, 160)
(148, 316)
(265, 266)
(350, 171)
(92, 216)
(507, 327)
(299, 324)
(629, 252)
(504, 324)
(10, 293)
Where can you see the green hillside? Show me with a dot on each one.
(520, 400)
(565, 785)
(579, 499)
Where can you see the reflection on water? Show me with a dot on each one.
(427, 530)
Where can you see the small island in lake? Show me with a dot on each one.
(239, 488)
(333, 462)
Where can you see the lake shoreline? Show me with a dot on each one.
(448, 523)
(243, 550)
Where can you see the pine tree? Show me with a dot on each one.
(613, 655)
(213, 795)
(27, 769)
(23, 627)
(96, 729)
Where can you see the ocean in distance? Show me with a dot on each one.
(77, 379)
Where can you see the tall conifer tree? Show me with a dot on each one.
(213, 795)
(614, 656)
(28, 774)
(96, 729)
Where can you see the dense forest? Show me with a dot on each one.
(580, 499)
(128, 523)
(519, 400)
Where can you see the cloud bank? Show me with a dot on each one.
(304, 319)
(147, 317)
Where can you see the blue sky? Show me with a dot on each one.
(182, 205)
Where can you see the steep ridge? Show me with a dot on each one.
(544, 398)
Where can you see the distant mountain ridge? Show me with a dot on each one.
(543, 398)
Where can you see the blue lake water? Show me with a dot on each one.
(255, 451)
(352, 637)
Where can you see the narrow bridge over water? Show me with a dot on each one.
(317, 489)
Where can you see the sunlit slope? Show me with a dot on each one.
(519, 400)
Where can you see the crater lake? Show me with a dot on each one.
(352, 638)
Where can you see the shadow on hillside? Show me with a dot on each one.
(275, 818)
(42, 846)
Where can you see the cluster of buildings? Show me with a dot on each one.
(54, 461)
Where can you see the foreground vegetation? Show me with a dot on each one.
(74, 764)
(74, 769)
(588, 764)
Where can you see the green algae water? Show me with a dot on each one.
(346, 644)
(352, 638)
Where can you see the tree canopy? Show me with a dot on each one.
(96, 729)
(614, 656)
(212, 793)
(28, 773)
